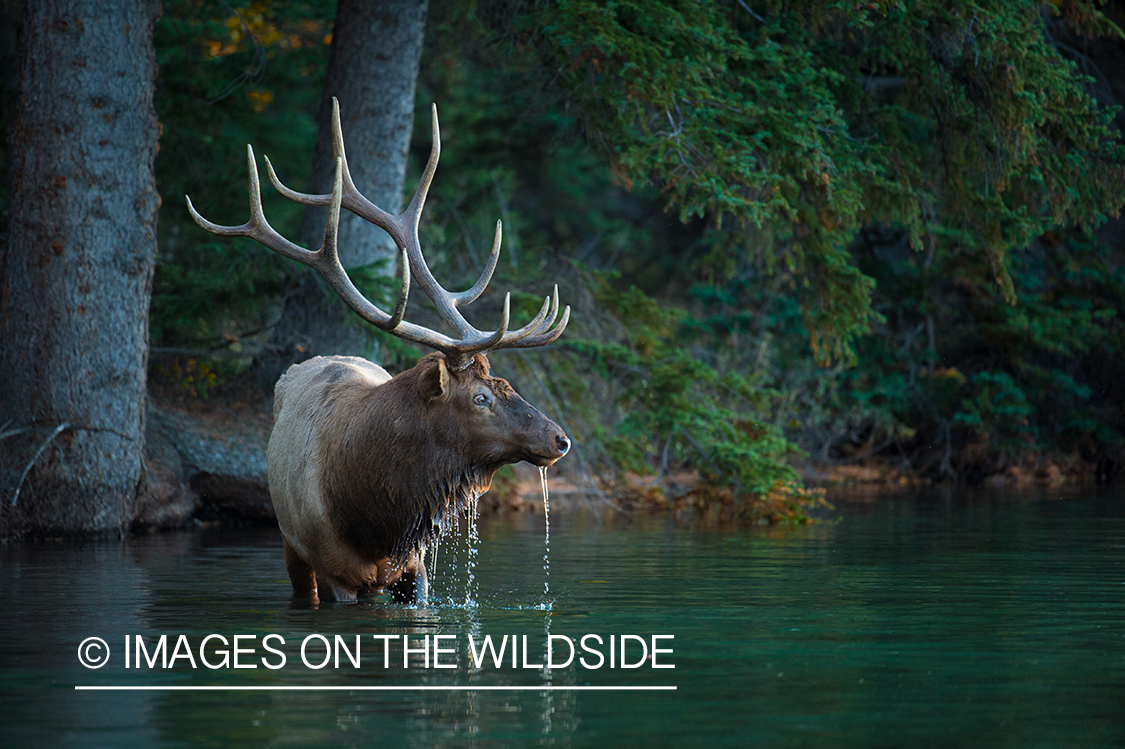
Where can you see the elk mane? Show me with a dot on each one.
(426, 475)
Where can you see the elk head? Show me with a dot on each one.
(484, 417)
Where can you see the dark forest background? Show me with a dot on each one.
(791, 232)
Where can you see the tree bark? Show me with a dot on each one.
(373, 71)
(76, 272)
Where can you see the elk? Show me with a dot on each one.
(365, 469)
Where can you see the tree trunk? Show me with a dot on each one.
(76, 272)
(373, 71)
(10, 12)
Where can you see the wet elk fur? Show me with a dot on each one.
(364, 468)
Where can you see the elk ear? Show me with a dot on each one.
(435, 378)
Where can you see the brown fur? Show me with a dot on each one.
(365, 469)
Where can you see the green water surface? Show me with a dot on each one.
(944, 619)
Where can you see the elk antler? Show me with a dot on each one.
(403, 229)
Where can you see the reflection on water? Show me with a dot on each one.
(943, 620)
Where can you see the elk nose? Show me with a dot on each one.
(563, 444)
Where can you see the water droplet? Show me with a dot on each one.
(473, 547)
(547, 540)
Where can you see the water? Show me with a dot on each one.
(942, 621)
(471, 554)
(547, 536)
(432, 569)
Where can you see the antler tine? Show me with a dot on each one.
(539, 340)
(303, 198)
(257, 227)
(353, 200)
(329, 252)
(338, 145)
(472, 294)
(414, 210)
(404, 292)
(539, 324)
(554, 311)
(222, 231)
(460, 354)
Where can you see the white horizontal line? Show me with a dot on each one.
(458, 688)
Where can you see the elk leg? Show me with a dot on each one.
(303, 577)
(300, 573)
(330, 590)
(412, 586)
(421, 580)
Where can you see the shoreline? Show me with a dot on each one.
(205, 463)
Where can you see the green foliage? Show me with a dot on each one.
(807, 121)
(224, 73)
(998, 411)
(1014, 379)
(909, 186)
(677, 410)
(646, 403)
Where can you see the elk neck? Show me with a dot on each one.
(400, 470)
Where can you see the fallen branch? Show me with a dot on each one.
(27, 469)
(5, 433)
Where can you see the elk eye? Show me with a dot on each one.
(480, 399)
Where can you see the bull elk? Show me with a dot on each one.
(365, 468)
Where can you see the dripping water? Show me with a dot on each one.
(547, 542)
(471, 553)
(442, 526)
(454, 543)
